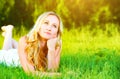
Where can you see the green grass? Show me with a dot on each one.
(85, 54)
(103, 64)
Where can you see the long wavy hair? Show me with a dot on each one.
(36, 54)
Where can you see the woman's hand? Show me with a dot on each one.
(52, 43)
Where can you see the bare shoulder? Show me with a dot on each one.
(22, 41)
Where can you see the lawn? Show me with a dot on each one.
(85, 55)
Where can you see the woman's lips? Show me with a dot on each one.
(48, 33)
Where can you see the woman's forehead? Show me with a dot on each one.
(52, 18)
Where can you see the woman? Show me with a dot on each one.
(40, 49)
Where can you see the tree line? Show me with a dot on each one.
(74, 13)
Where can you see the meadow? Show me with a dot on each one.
(86, 54)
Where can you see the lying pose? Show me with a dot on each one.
(40, 49)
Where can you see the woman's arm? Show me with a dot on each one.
(53, 55)
(23, 57)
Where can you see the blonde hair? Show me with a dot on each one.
(37, 55)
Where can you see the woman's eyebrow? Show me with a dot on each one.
(45, 20)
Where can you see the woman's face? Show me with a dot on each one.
(49, 27)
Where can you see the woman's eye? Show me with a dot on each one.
(54, 26)
(45, 22)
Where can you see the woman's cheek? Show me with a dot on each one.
(54, 36)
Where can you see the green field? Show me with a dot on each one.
(86, 54)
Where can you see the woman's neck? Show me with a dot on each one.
(43, 43)
(44, 47)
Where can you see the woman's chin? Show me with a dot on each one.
(47, 37)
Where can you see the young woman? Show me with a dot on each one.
(40, 49)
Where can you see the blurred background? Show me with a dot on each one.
(74, 13)
(93, 24)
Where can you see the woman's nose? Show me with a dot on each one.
(49, 27)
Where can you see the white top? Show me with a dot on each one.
(9, 57)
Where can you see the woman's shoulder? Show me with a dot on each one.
(22, 41)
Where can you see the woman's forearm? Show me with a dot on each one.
(52, 63)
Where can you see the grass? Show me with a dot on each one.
(103, 64)
(85, 55)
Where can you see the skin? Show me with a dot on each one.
(48, 35)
